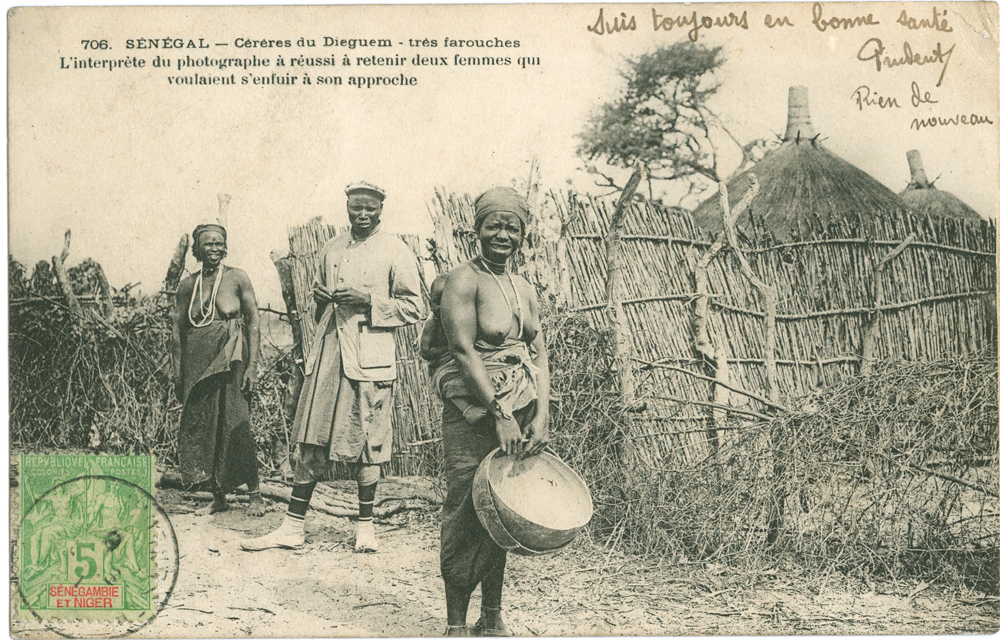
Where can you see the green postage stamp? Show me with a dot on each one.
(85, 549)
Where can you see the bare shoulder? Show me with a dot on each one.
(186, 286)
(461, 279)
(239, 275)
(526, 289)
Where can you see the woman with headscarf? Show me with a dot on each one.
(215, 346)
(495, 389)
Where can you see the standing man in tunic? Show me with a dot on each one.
(367, 284)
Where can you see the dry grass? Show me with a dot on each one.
(896, 472)
(104, 386)
(889, 475)
(892, 475)
(99, 385)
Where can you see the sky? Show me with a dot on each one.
(129, 163)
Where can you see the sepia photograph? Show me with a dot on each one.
(559, 320)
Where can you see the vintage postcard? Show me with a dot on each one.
(429, 320)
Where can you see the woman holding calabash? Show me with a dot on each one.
(495, 390)
(215, 346)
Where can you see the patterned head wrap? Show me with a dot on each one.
(202, 228)
(501, 199)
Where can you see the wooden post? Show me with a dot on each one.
(870, 329)
(769, 295)
(534, 266)
(443, 233)
(534, 180)
(107, 300)
(224, 199)
(59, 266)
(702, 342)
(284, 267)
(176, 268)
(614, 311)
(715, 359)
(767, 292)
(559, 251)
(562, 270)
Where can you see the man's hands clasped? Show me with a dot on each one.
(342, 296)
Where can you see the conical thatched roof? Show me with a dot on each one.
(804, 188)
(923, 197)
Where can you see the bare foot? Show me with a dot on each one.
(256, 508)
(218, 505)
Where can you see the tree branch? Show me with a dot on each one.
(609, 181)
(717, 121)
(59, 266)
(614, 311)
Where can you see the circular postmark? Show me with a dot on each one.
(96, 557)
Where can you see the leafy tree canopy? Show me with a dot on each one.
(663, 119)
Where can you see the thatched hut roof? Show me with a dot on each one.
(923, 197)
(804, 188)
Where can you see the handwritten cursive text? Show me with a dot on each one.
(839, 23)
(916, 98)
(667, 23)
(780, 21)
(914, 24)
(865, 97)
(602, 26)
(874, 50)
(972, 119)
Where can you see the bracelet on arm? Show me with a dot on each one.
(498, 408)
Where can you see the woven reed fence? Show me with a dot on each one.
(840, 303)
(917, 289)
(416, 411)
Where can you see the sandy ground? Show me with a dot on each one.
(325, 589)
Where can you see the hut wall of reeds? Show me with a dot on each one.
(898, 286)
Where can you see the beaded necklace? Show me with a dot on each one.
(506, 298)
(207, 312)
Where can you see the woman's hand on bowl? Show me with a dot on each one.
(509, 434)
(538, 436)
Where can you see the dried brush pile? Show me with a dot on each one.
(103, 385)
(891, 475)
(586, 414)
(895, 473)
(98, 385)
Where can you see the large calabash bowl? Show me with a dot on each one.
(532, 506)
